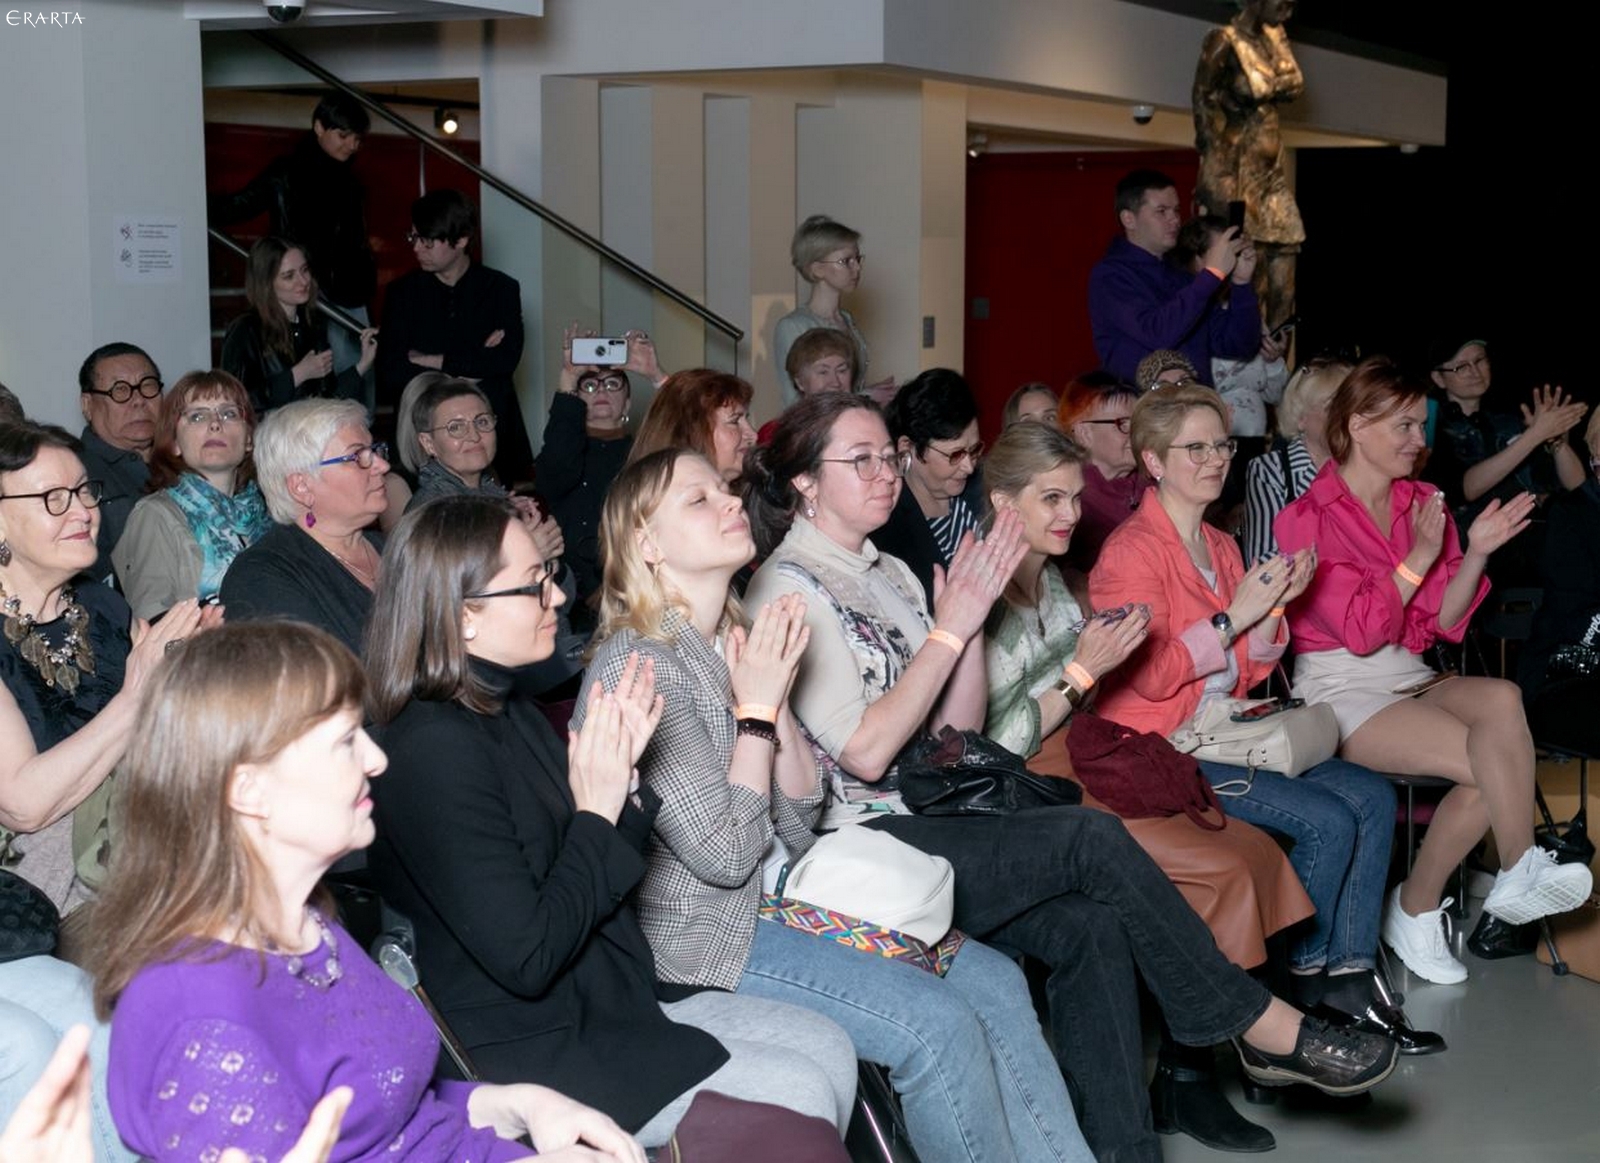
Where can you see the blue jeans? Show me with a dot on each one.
(41, 998)
(964, 1052)
(1341, 818)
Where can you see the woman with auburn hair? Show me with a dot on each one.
(279, 350)
(236, 999)
(1216, 631)
(704, 410)
(1394, 579)
(1096, 410)
(204, 507)
(485, 814)
(961, 1043)
(1065, 885)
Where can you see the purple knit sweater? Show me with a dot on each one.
(212, 1054)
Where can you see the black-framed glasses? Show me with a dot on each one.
(611, 385)
(361, 457)
(1200, 452)
(543, 589)
(458, 428)
(870, 465)
(205, 417)
(121, 391)
(1122, 423)
(959, 456)
(58, 500)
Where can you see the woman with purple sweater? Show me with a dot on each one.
(236, 1002)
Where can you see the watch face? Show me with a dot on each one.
(1222, 621)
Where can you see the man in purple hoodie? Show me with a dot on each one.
(1139, 303)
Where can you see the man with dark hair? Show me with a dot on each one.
(458, 317)
(119, 390)
(1138, 303)
(312, 197)
(10, 406)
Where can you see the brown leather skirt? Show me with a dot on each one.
(1238, 879)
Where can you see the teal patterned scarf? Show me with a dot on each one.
(224, 526)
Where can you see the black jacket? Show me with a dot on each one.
(524, 937)
(288, 575)
(574, 471)
(316, 202)
(421, 313)
(268, 379)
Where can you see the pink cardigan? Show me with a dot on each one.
(1159, 687)
(1353, 602)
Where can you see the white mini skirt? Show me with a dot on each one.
(1358, 686)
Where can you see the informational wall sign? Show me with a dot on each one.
(146, 249)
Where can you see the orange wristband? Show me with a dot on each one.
(1408, 574)
(945, 638)
(1079, 675)
(1276, 611)
(756, 711)
(1221, 277)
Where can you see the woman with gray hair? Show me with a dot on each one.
(323, 478)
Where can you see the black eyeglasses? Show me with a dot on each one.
(609, 384)
(870, 465)
(458, 428)
(361, 457)
(1123, 423)
(121, 391)
(58, 500)
(543, 589)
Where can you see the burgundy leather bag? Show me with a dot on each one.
(1139, 775)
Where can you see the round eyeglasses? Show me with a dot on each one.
(608, 384)
(461, 427)
(58, 500)
(870, 465)
(121, 391)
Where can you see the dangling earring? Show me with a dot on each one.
(811, 508)
(5, 553)
(311, 519)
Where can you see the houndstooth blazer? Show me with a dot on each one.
(697, 902)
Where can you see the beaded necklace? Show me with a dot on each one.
(59, 666)
(295, 963)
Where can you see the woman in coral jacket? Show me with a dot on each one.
(1393, 580)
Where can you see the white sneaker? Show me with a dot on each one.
(1536, 886)
(1422, 941)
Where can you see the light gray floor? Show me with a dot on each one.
(1520, 1081)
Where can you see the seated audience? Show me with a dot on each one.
(1064, 885)
(1393, 580)
(1033, 401)
(705, 411)
(204, 507)
(1096, 411)
(1216, 631)
(827, 255)
(323, 480)
(279, 350)
(736, 794)
(586, 443)
(1279, 475)
(236, 1000)
(933, 420)
(487, 815)
(118, 385)
(72, 664)
(820, 360)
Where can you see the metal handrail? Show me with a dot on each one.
(572, 230)
(332, 310)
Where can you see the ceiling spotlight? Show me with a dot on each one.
(977, 143)
(446, 121)
(1409, 147)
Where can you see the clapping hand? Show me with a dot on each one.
(1302, 570)
(1105, 644)
(1260, 590)
(1499, 523)
(1552, 415)
(978, 573)
(640, 706)
(600, 758)
(764, 660)
(1427, 531)
(152, 643)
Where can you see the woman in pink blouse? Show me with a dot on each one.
(1392, 580)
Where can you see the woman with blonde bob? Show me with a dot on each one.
(740, 788)
(236, 1000)
(1279, 475)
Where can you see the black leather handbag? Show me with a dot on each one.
(29, 921)
(964, 773)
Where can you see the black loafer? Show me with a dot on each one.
(1332, 1059)
(1189, 1102)
(1389, 1021)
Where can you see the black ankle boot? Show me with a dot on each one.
(1494, 938)
(1189, 1101)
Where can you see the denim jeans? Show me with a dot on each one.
(1341, 818)
(41, 998)
(964, 1052)
(1070, 887)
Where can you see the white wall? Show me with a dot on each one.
(103, 119)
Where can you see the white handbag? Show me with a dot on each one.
(869, 875)
(1289, 742)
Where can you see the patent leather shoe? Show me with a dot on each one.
(1390, 1021)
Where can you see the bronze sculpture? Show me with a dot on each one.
(1246, 71)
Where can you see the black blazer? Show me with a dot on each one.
(524, 939)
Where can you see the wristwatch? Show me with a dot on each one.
(1224, 628)
(1066, 690)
